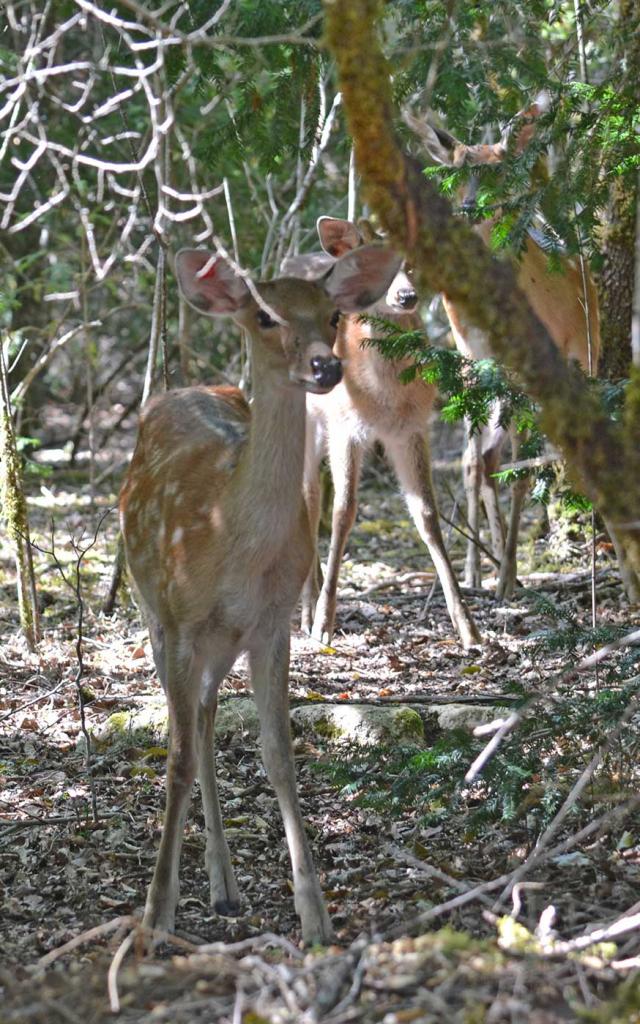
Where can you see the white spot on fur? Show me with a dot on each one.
(178, 534)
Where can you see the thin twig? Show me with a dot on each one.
(98, 932)
(394, 581)
(630, 921)
(34, 700)
(572, 798)
(432, 872)
(585, 665)
(408, 926)
(114, 967)
(75, 585)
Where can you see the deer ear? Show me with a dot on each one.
(528, 117)
(367, 231)
(338, 237)
(308, 267)
(360, 278)
(209, 284)
(441, 146)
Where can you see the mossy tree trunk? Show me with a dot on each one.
(635, 314)
(14, 507)
(617, 240)
(615, 282)
(603, 458)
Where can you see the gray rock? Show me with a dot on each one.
(234, 717)
(464, 716)
(359, 724)
(237, 716)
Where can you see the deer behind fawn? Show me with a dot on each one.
(567, 304)
(218, 544)
(370, 404)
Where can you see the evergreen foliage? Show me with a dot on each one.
(497, 57)
(470, 388)
(534, 767)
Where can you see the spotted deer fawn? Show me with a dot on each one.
(567, 304)
(218, 543)
(370, 404)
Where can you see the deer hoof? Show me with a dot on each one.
(318, 933)
(322, 629)
(160, 908)
(323, 636)
(227, 908)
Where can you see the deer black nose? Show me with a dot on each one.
(327, 371)
(407, 297)
(469, 207)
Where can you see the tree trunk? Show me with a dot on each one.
(615, 283)
(635, 312)
(14, 508)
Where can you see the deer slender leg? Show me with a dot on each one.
(495, 519)
(269, 663)
(346, 459)
(225, 897)
(410, 459)
(519, 490)
(156, 636)
(509, 565)
(183, 674)
(311, 488)
(472, 478)
(628, 575)
(492, 443)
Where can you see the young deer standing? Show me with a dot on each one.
(218, 543)
(370, 404)
(567, 304)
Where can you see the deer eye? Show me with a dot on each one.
(264, 319)
(335, 319)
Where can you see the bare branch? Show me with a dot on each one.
(325, 126)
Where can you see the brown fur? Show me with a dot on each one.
(218, 543)
(566, 302)
(371, 404)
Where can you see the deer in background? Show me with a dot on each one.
(218, 543)
(370, 404)
(567, 304)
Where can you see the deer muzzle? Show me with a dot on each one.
(327, 371)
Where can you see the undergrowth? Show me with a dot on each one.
(534, 768)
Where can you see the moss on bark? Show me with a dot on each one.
(615, 283)
(14, 512)
(617, 238)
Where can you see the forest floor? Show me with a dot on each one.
(390, 866)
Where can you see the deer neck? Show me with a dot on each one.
(471, 341)
(354, 334)
(269, 475)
